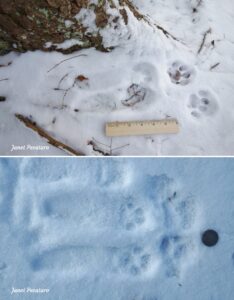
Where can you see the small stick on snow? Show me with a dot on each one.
(98, 149)
(167, 34)
(32, 125)
(4, 79)
(121, 147)
(61, 80)
(66, 92)
(159, 27)
(58, 64)
(204, 40)
(94, 143)
(214, 66)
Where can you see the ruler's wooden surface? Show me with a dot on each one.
(167, 126)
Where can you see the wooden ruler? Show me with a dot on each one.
(127, 128)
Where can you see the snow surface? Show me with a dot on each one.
(119, 229)
(201, 98)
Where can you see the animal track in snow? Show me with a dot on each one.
(67, 226)
(145, 72)
(134, 261)
(132, 217)
(175, 250)
(203, 104)
(98, 102)
(141, 90)
(179, 214)
(108, 174)
(181, 73)
(65, 259)
(138, 92)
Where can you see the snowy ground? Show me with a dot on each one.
(126, 229)
(200, 97)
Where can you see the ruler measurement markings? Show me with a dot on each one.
(166, 126)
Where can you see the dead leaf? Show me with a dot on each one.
(81, 78)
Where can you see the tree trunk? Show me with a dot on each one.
(48, 24)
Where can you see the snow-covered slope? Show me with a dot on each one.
(148, 76)
(126, 229)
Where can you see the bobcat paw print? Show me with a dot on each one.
(202, 104)
(132, 217)
(180, 73)
(134, 261)
(173, 250)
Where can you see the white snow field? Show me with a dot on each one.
(147, 76)
(126, 229)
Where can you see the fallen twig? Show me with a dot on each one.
(214, 66)
(65, 94)
(150, 22)
(120, 147)
(32, 125)
(66, 91)
(167, 34)
(61, 80)
(203, 40)
(4, 79)
(96, 148)
(58, 64)
(95, 144)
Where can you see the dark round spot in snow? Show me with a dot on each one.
(2, 98)
(210, 237)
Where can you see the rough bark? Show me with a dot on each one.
(44, 24)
